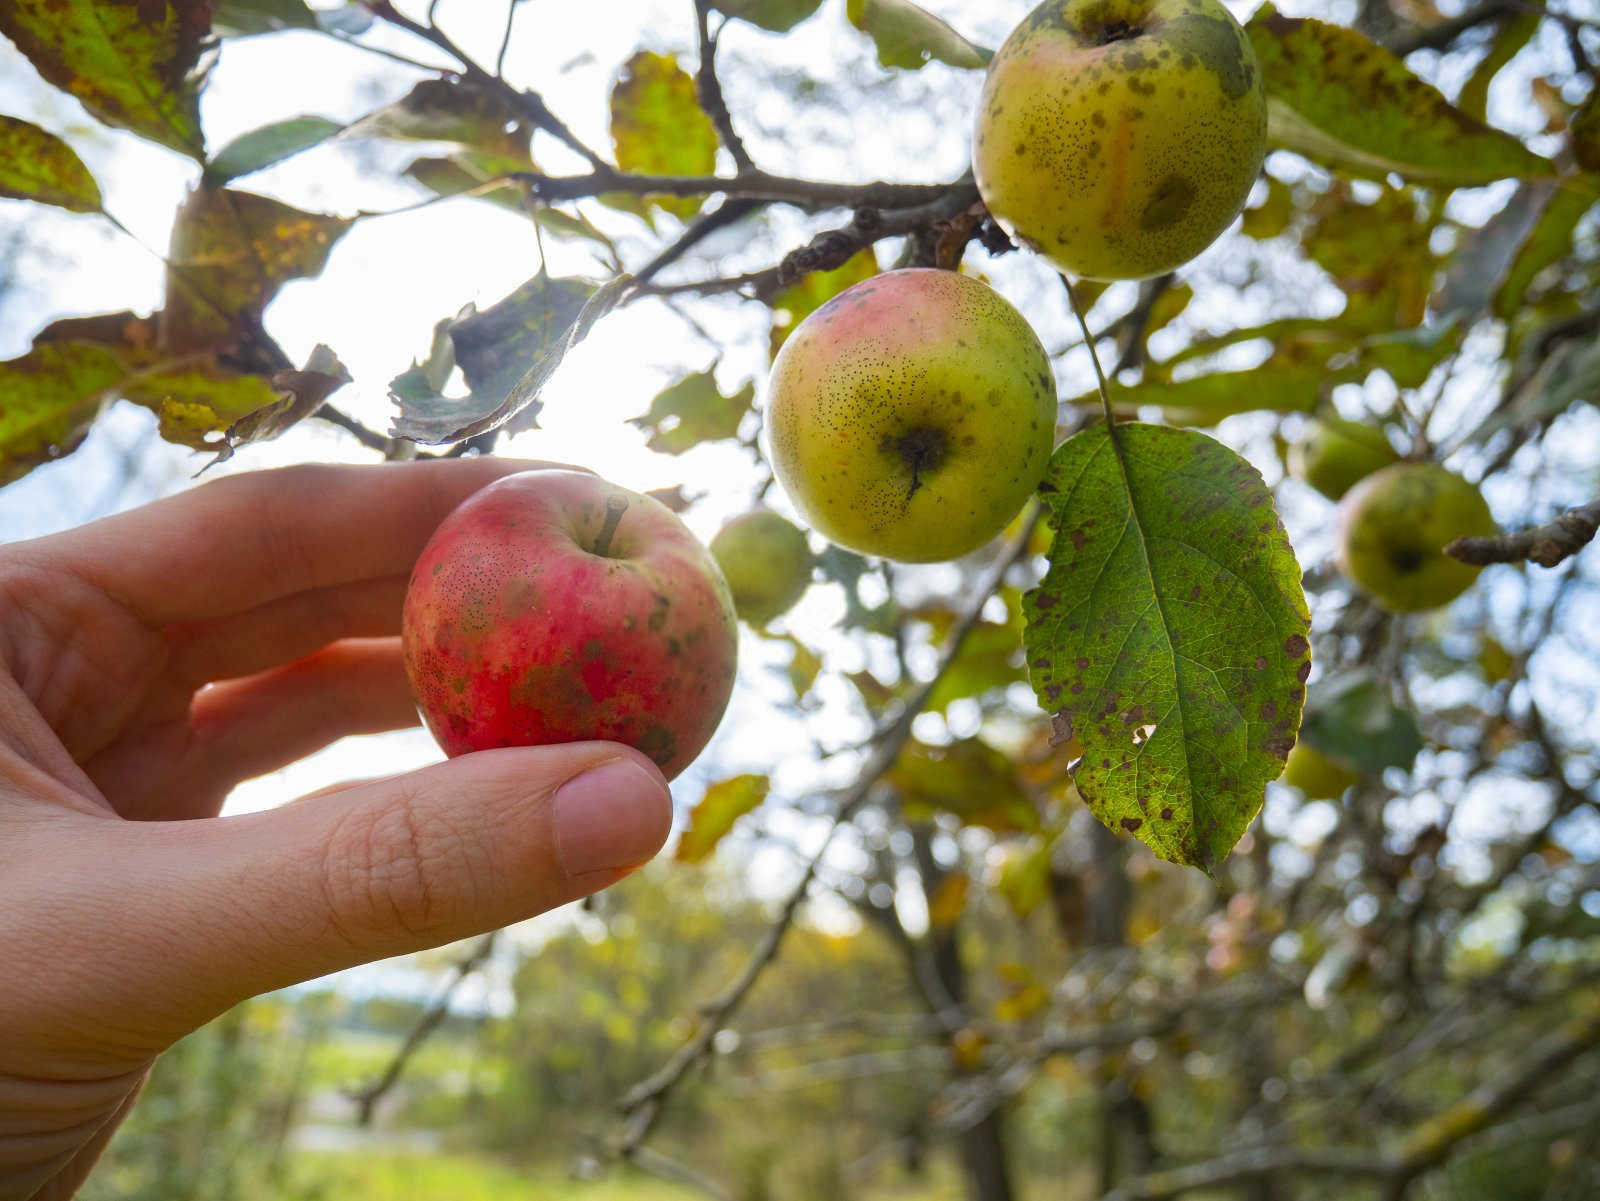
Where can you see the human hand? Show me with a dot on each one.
(151, 661)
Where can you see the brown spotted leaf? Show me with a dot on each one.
(692, 411)
(36, 165)
(137, 66)
(659, 128)
(48, 399)
(1169, 635)
(231, 252)
(1343, 100)
(724, 803)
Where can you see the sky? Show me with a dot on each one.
(391, 278)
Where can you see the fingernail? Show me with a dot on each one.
(614, 815)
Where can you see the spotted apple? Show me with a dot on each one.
(912, 415)
(1118, 138)
(553, 606)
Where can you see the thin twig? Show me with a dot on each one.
(1547, 545)
(710, 89)
(369, 438)
(755, 183)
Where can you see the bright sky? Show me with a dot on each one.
(390, 279)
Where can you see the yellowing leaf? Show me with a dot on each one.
(658, 126)
(724, 803)
(808, 294)
(969, 779)
(693, 411)
(1341, 99)
(949, 900)
(1169, 634)
(449, 110)
(48, 399)
(231, 252)
(133, 65)
(36, 165)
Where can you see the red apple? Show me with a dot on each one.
(553, 606)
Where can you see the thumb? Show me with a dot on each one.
(409, 862)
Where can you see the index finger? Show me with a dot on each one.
(246, 539)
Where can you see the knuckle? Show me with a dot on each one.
(396, 870)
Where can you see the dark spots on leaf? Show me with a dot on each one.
(1132, 824)
(1052, 691)
(1260, 664)
(1081, 664)
(1166, 814)
(1079, 538)
(1269, 711)
(1042, 663)
(1044, 601)
(1304, 671)
(1047, 486)
(1295, 645)
(1278, 748)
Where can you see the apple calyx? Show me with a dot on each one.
(1117, 31)
(921, 449)
(616, 506)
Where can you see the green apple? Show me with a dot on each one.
(912, 415)
(766, 561)
(1393, 527)
(1315, 774)
(1118, 138)
(1333, 455)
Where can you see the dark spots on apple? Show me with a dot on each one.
(660, 605)
(658, 742)
(1168, 203)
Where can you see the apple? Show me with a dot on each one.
(553, 606)
(766, 561)
(1118, 138)
(1317, 775)
(1393, 527)
(1333, 455)
(912, 415)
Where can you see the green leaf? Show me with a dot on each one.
(724, 803)
(1410, 355)
(990, 656)
(135, 66)
(48, 399)
(1025, 879)
(1549, 241)
(1585, 133)
(197, 404)
(1514, 31)
(658, 126)
(36, 165)
(1207, 399)
(1377, 253)
(468, 170)
(449, 110)
(969, 779)
(776, 15)
(231, 252)
(1169, 635)
(693, 411)
(810, 292)
(507, 354)
(296, 395)
(268, 145)
(1351, 717)
(1342, 100)
(911, 37)
(804, 664)
(240, 18)
(1272, 216)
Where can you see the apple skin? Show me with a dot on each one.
(767, 563)
(1315, 774)
(516, 633)
(1118, 138)
(1334, 455)
(912, 415)
(1393, 527)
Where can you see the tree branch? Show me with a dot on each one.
(1546, 545)
(642, 1104)
(710, 89)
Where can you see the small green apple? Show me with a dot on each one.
(1393, 527)
(912, 415)
(1333, 455)
(1118, 138)
(1316, 774)
(765, 559)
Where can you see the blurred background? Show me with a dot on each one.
(1390, 988)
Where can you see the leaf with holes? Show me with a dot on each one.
(136, 66)
(231, 252)
(1342, 100)
(724, 803)
(1169, 634)
(910, 36)
(36, 165)
(507, 354)
(659, 128)
(692, 411)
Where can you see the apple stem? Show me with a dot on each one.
(1088, 340)
(616, 506)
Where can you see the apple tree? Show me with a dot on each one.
(1046, 771)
